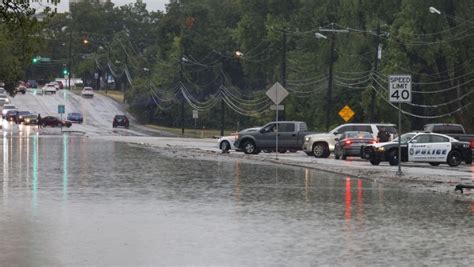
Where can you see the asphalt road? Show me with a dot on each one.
(98, 113)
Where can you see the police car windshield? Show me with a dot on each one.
(405, 137)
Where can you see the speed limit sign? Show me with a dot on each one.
(399, 88)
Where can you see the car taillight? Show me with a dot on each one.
(348, 142)
(373, 142)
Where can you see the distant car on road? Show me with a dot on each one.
(350, 143)
(7, 108)
(87, 92)
(21, 89)
(49, 89)
(54, 122)
(31, 119)
(120, 120)
(11, 115)
(75, 117)
(4, 99)
(21, 116)
(60, 84)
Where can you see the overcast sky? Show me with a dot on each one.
(152, 5)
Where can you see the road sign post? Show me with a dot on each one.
(195, 117)
(61, 110)
(399, 92)
(277, 93)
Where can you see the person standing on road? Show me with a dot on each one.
(39, 120)
(383, 135)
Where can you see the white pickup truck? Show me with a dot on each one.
(321, 145)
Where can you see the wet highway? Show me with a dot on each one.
(72, 200)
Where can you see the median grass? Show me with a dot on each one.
(115, 95)
(188, 132)
(191, 133)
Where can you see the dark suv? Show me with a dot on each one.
(120, 120)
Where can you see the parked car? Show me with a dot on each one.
(49, 89)
(226, 143)
(351, 142)
(54, 122)
(75, 117)
(87, 92)
(451, 129)
(120, 120)
(421, 147)
(31, 119)
(290, 137)
(321, 145)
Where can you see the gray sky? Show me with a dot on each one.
(152, 5)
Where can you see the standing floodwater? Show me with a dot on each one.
(70, 200)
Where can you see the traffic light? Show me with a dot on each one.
(85, 41)
(35, 60)
(65, 71)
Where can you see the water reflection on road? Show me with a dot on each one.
(71, 200)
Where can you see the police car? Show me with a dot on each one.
(421, 147)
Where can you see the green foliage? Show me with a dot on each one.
(193, 42)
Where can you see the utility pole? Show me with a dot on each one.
(222, 104)
(329, 96)
(333, 41)
(70, 60)
(107, 74)
(182, 94)
(376, 59)
(283, 70)
(126, 77)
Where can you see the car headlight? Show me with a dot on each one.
(27, 120)
(380, 148)
(306, 139)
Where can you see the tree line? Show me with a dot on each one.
(219, 57)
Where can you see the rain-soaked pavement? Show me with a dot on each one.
(70, 200)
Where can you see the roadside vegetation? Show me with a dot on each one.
(221, 56)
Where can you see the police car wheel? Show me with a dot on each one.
(454, 158)
(434, 163)
(374, 161)
(393, 158)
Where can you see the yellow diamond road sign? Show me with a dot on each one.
(346, 113)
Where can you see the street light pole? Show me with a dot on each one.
(283, 70)
(333, 41)
(328, 107)
(376, 59)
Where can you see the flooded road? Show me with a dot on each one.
(70, 200)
